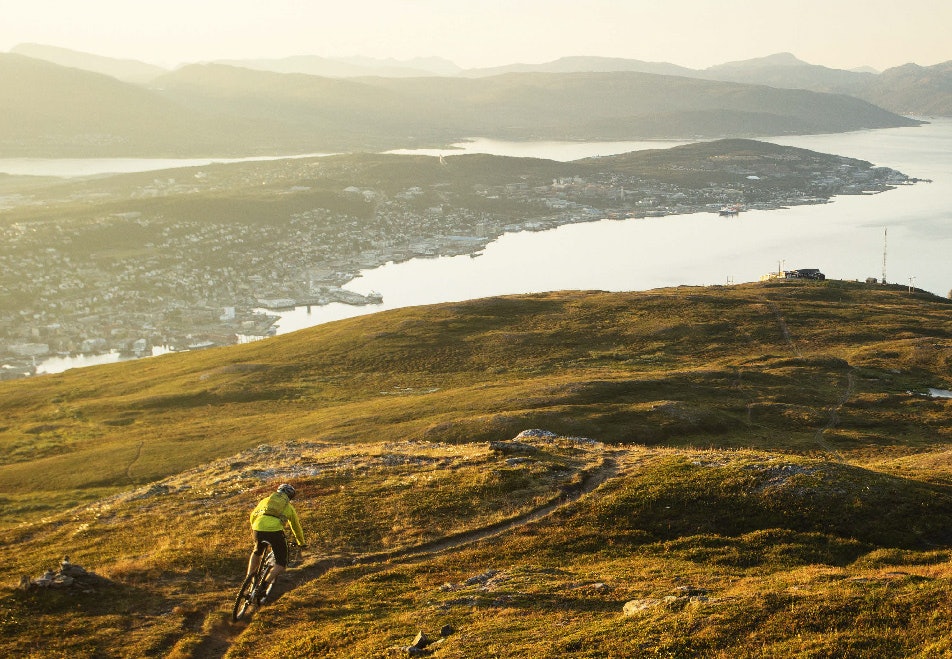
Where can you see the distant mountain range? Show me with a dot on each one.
(329, 67)
(586, 65)
(51, 110)
(351, 67)
(124, 69)
(217, 109)
(909, 89)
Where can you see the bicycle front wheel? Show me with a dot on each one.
(244, 601)
(294, 554)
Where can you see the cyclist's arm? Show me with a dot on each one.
(295, 524)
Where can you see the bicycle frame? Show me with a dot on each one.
(250, 593)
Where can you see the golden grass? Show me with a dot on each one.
(796, 483)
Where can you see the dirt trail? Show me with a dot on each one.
(614, 462)
(783, 326)
(835, 416)
(608, 468)
(833, 410)
(135, 459)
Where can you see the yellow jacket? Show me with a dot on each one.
(273, 512)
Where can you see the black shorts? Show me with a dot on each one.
(279, 545)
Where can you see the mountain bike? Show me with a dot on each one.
(252, 590)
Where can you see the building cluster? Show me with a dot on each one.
(133, 280)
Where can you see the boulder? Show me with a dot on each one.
(634, 607)
(69, 576)
(421, 641)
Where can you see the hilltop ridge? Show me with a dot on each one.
(563, 474)
(638, 367)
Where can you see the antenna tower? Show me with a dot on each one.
(885, 229)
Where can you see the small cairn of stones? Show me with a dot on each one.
(69, 577)
(683, 596)
(423, 645)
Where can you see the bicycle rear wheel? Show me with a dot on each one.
(245, 599)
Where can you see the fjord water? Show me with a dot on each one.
(73, 167)
(846, 238)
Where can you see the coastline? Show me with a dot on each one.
(568, 202)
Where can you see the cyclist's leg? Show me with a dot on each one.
(279, 546)
(256, 553)
(276, 571)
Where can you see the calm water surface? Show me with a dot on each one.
(845, 239)
(74, 167)
(561, 151)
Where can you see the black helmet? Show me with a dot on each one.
(287, 489)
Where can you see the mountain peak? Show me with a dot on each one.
(775, 60)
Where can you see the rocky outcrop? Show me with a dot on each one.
(682, 596)
(423, 644)
(69, 577)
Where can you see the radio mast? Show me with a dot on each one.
(885, 229)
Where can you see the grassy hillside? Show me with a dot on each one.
(747, 471)
(51, 110)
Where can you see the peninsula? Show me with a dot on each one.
(189, 258)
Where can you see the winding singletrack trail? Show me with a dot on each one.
(835, 417)
(608, 468)
(832, 411)
(614, 463)
(784, 330)
(134, 460)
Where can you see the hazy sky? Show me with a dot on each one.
(473, 33)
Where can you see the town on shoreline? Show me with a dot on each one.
(201, 257)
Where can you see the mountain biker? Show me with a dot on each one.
(267, 523)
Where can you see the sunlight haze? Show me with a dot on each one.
(693, 33)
